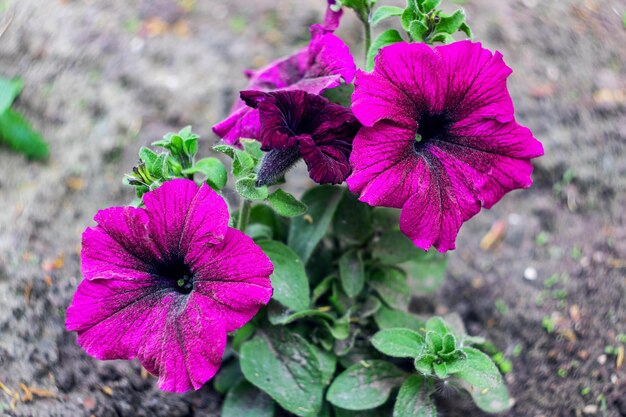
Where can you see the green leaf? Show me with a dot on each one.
(394, 247)
(9, 90)
(243, 164)
(247, 189)
(246, 400)
(466, 29)
(289, 280)
(429, 5)
(287, 368)
(491, 400)
(328, 364)
(307, 231)
(391, 285)
(253, 148)
(386, 38)
(385, 219)
(441, 37)
(285, 204)
(353, 220)
(385, 12)
(228, 376)
(426, 272)
(399, 343)
(352, 272)
(341, 95)
(340, 329)
(451, 23)
(437, 325)
(480, 371)
(387, 318)
(340, 412)
(414, 398)
(225, 149)
(418, 30)
(17, 133)
(409, 15)
(259, 231)
(279, 314)
(263, 214)
(214, 171)
(323, 287)
(365, 385)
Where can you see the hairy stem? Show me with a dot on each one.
(244, 214)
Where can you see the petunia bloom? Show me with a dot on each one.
(296, 124)
(323, 64)
(165, 284)
(440, 139)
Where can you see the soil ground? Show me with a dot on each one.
(105, 77)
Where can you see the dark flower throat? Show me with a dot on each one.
(176, 275)
(432, 127)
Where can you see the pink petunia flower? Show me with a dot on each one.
(441, 140)
(295, 125)
(323, 64)
(166, 283)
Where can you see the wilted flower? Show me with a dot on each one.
(296, 124)
(323, 64)
(441, 140)
(166, 283)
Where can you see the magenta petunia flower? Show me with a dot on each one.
(166, 283)
(297, 124)
(323, 64)
(441, 140)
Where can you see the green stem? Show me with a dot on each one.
(244, 214)
(368, 35)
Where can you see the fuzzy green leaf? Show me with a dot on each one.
(289, 280)
(480, 371)
(286, 367)
(399, 343)
(307, 231)
(394, 247)
(426, 272)
(491, 400)
(285, 204)
(391, 285)
(385, 12)
(387, 318)
(365, 385)
(247, 189)
(247, 400)
(341, 95)
(353, 220)
(214, 171)
(9, 90)
(352, 272)
(451, 23)
(386, 38)
(414, 398)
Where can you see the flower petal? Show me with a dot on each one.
(328, 163)
(404, 83)
(477, 81)
(185, 218)
(386, 169)
(235, 277)
(242, 123)
(120, 246)
(176, 337)
(431, 216)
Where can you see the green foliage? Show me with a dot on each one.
(286, 367)
(414, 398)
(289, 280)
(424, 22)
(286, 204)
(365, 385)
(388, 37)
(15, 131)
(352, 272)
(246, 400)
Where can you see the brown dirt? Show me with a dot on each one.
(105, 77)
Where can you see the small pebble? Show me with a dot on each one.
(530, 273)
(602, 359)
(590, 409)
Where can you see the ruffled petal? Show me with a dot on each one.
(404, 84)
(185, 218)
(242, 123)
(120, 246)
(328, 163)
(234, 276)
(386, 169)
(431, 216)
(477, 81)
(332, 17)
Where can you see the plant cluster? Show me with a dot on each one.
(304, 305)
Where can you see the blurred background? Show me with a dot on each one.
(542, 275)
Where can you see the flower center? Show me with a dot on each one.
(431, 126)
(176, 275)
